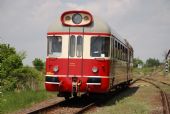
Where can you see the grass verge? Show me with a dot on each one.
(126, 106)
(135, 100)
(13, 101)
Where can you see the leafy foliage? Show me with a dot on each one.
(38, 64)
(12, 62)
(6, 51)
(26, 78)
(136, 62)
(12, 73)
(151, 62)
(9, 61)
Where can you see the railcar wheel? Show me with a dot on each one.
(75, 94)
(67, 97)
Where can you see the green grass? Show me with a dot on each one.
(12, 101)
(126, 106)
(131, 101)
(146, 71)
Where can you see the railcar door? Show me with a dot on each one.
(75, 52)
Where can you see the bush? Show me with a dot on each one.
(9, 61)
(152, 62)
(6, 51)
(26, 78)
(13, 76)
(136, 62)
(38, 64)
(12, 62)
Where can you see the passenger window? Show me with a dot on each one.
(116, 49)
(131, 56)
(121, 53)
(126, 52)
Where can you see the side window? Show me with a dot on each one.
(116, 49)
(131, 56)
(121, 52)
(126, 54)
(113, 48)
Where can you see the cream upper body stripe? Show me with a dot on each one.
(52, 82)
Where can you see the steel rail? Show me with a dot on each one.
(165, 102)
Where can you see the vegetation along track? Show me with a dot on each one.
(158, 81)
(73, 105)
(164, 95)
(77, 105)
(84, 104)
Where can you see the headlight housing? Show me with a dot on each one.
(77, 18)
(55, 68)
(94, 69)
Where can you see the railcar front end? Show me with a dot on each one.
(78, 55)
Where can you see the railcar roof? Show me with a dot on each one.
(124, 41)
(115, 34)
(98, 26)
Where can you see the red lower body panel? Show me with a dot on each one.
(87, 80)
(66, 85)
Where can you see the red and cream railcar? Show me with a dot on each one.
(85, 56)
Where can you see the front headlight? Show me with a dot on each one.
(77, 18)
(95, 69)
(55, 68)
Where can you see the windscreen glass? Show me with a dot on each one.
(79, 46)
(55, 45)
(100, 47)
(72, 46)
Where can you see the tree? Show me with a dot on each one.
(136, 62)
(9, 61)
(38, 64)
(151, 62)
(12, 73)
(12, 62)
(6, 51)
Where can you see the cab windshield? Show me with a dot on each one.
(100, 47)
(55, 45)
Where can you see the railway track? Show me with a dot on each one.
(73, 105)
(85, 104)
(165, 97)
(158, 81)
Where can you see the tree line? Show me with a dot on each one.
(151, 62)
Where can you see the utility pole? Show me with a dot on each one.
(166, 66)
(167, 59)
